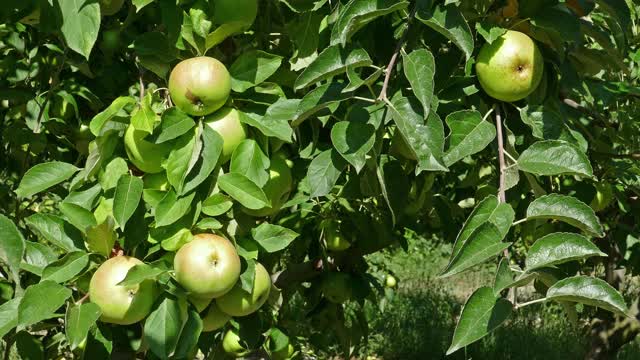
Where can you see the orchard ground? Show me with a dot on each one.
(419, 320)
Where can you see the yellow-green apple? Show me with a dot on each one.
(232, 346)
(199, 85)
(277, 187)
(208, 266)
(226, 122)
(120, 304)
(145, 155)
(238, 302)
(511, 67)
(215, 318)
(333, 237)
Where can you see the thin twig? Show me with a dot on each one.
(82, 299)
(502, 186)
(364, 99)
(394, 57)
(593, 114)
(141, 86)
(517, 222)
(518, 306)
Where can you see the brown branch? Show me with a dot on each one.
(592, 114)
(297, 273)
(394, 57)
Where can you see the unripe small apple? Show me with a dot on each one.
(208, 266)
(226, 122)
(511, 67)
(334, 238)
(238, 302)
(390, 281)
(200, 85)
(277, 188)
(232, 346)
(215, 318)
(120, 304)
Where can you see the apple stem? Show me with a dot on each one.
(394, 57)
(82, 299)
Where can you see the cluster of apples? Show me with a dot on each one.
(208, 268)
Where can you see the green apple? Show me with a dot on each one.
(277, 187)
(333, 237)
(110, 7)
(231, 345)
(119, 304)
(603, 197)
(145, 155)
(390, 281)
(200, 85)
(208, 266)
(337, 287)
(242, 12)
(283, 354)
(156, 181)
(226, 122)
(511, 67)
(215, 318)
(238, 302)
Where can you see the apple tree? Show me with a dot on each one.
(180, 176)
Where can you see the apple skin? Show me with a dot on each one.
(277, 187)
(231, 345)
(238, 302)
(511, 67)
(333, 238)
(208, 266)
(200, 85)
(226, 122)
(214, 319)
(390, 281)
(146, 156)
(235, 11)
(337, 287)
(110, 7)
(123, 305)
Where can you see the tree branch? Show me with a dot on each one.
(297, 273)
(502, 186)
(394, 57)
(592, 114)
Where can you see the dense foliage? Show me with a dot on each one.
(307, 135)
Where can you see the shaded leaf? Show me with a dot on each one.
(324, 171)
(567, 209)
(469, 135)
(79, 321)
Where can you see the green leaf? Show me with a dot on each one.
(139, 273)
(43, 176)
(590, 291)
(98, 121)
(304, 31)
(101, 238)
(504, 277)
(33, 309)
(174, 124)
(216, 205)
(249, 160)
(85, 198)
(546, 123)
(324, 97)
(66, 268)
(80, 24)
(139, 4)
(353, 140)
(182, 159)
(12, 246)
(273, 238)
(248, 276)
(55, 230)
(9, 315)
(126, 198)
(171, 208)
(163, 326)
(79, 321)
(420, 68)
(558, 248)
(144, 118)
(449, 21)
(358, 13)
(332, 61)
(275, 122)
(324, 171)
(36, 257)
(554, 157)
(252, 68)
(245, 191)
(482, 313)
(469, 135)
(489, 32)
(425, 140)
(78, 216)
(484, 243)
(188, 342)
(211, 150)
(112, 172)
(568, 209)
